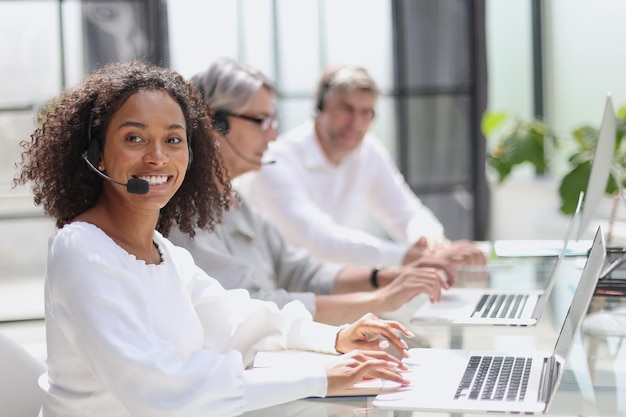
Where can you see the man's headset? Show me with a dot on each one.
(331, 79)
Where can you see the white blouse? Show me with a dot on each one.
(126, 338)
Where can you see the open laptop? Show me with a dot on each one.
(600, 167)
(484, 306)
(450, 379)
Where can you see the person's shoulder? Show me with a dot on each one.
(179, 255)
(249, 212)
(294, 150)
(79, 243)
(295, 136)
(374, 150)
(167, 244)
(77, 236)
(371, 141)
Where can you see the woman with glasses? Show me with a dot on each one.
(247, 251)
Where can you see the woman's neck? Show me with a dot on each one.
(131, 231)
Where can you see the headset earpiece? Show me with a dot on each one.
(220, 122)
(320, 98)
(333, 78)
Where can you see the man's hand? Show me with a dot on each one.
(417, 251)
(458, 253)
(461, 253)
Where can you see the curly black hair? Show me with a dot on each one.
(62, 181)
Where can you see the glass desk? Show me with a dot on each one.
(594, 383)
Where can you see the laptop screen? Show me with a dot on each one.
(568, 233)
(600, 167)
(582, 296)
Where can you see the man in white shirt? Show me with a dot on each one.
(328, 170)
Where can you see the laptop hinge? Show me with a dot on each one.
(538, 306)
(549, 376)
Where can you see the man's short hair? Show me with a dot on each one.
(342, 79)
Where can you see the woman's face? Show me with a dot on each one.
(247, 137)
(146, 139)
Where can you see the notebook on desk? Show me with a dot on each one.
(495, 381)
(481, 306)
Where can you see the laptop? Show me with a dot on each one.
(483, 306)
(600, 167)
(474, 381)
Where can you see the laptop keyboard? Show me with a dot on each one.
(498, 378)
(500, 306)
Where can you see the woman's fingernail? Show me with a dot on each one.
(383, 344)
(411, 334)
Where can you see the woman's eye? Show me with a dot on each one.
(134, 139)
(174, 140)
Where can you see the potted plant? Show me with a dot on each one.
(576, 178)
(513, 142)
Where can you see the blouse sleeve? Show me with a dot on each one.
(253, 325)
(103, 311)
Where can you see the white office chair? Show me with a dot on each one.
(20, 395)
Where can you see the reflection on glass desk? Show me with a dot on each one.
(595, 379)
(522, 274)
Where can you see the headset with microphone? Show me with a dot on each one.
(319, 106)
(220, 124)
(332, 78)
(134, 185)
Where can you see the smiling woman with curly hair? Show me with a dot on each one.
(65, 185)
(133, 326)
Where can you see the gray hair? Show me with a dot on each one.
(230, 86)
(342, 79)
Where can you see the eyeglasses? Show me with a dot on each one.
(265, 123)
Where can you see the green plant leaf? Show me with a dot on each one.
(576, 181)
(572, 184)
(490, 122)
(522, 142)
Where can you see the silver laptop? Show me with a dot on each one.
(482, 306)
(600, 167)
(495, 381)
